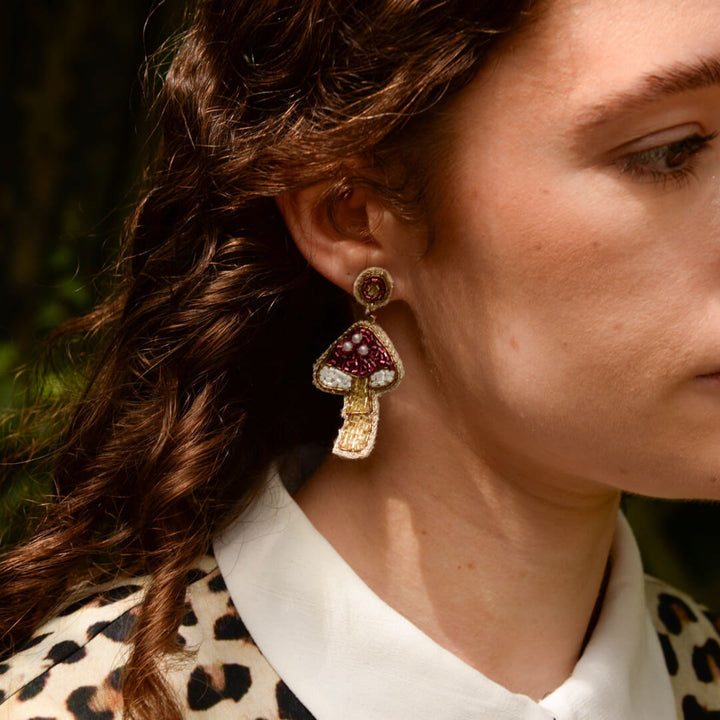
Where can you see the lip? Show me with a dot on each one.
(710, 377)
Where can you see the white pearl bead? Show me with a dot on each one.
(357, 338)
(363, 350)
(347, 346)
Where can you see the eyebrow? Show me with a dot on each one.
(674, 80)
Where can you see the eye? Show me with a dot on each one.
(672, 161)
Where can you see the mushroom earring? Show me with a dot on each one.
(361, 364)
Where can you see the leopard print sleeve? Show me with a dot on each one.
(690, 639)
(71, 668)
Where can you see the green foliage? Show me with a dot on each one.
(72, 73)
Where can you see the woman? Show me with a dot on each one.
(537, 183)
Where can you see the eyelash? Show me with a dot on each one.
(682, 152)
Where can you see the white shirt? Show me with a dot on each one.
(348, 655)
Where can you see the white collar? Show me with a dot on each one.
(345, 653)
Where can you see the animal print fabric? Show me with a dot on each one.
(689, 637)
(71, 669)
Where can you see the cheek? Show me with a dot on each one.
(568, 319)
(554, 289)
(587, 276)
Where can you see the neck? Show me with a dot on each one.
(503, 569)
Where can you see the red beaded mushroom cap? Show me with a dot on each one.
(364, 351)
(360, 353)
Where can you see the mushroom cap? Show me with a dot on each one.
(360, 353)
(364, 350)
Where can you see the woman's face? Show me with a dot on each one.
(574, 318)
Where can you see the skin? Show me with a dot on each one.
(558, 315)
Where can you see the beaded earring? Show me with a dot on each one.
(360, 365)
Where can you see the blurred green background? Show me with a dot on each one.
(70, 73)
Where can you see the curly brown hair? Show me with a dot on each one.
(203, 375)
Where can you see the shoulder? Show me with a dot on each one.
(224, 669)
(75, 657)
(72, 665)
(690, 639)
(71, 669)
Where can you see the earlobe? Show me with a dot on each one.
(342, 240)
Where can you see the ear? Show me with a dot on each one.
(362, 233)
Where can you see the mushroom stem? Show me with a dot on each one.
(360, 410)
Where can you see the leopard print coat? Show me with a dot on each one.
(71, 669)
